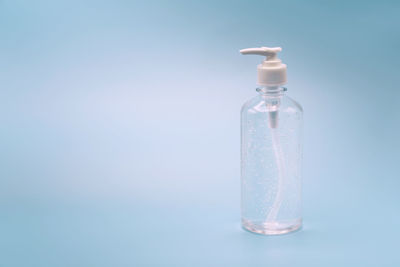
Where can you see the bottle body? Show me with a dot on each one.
(271, 158)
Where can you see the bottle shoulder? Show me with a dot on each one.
(259, 104)
(295, 103)
(249, 103)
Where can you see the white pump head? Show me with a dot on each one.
(271, 72)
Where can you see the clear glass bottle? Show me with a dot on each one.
(271, 155)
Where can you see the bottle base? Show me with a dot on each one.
(271, 228)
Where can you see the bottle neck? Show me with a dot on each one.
(271, 91)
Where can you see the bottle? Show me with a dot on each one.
(271, 152)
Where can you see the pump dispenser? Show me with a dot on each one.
(271, 145)
(271, 72)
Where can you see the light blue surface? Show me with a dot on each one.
(120, 131)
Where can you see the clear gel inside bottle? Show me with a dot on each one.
(271, 154)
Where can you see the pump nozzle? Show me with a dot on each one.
(271, 72)
(269, 52)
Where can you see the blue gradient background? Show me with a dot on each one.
(120, 131)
